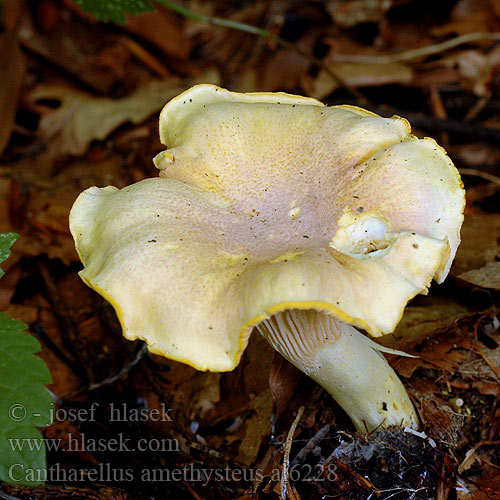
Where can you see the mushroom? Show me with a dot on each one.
(275, 212)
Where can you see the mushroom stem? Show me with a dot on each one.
(343, 362)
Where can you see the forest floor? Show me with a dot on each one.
(79, 101)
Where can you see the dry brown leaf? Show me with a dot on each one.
(358, 75)
(480, 242)
(487, 276)
(468, 491)
(485, 487)
(47, 204)
(37, 205)
(424, 316)
(257, 427)
(495, 5)
(440, 421)
(26, 313)
(257, 363)
(13, 69)
(487, 388)
(282, 71)
(70, 47)
(5, 189)
(161, 28)
(82, 118)
(478, 69)
(197, 392)
(468, 461)
(208, 395)
(8, 286)
(445, 352)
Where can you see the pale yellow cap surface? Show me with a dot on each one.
(269, 202)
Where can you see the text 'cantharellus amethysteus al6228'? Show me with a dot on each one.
(275, 212)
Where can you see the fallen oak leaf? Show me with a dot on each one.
(82, 118)
(487, 276)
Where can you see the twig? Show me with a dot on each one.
(480, 104)
(111, 380)
(479, 173)
(191, 490)
(286, 456)
(311, 444)
(471, 131)
(356, 476)
(254, 30)
(428, 50)
(293, 494)
(144, 56)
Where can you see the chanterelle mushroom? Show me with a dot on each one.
(277, 212)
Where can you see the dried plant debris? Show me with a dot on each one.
(80, 99)
(390, 463)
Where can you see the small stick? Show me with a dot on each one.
(311, 444)
(286, 457)
(191, 490)
(356, 476)
(479, 173)
(431, 124)
(428, 50)
(111, 380)
(144, 56)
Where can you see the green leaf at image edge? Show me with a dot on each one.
(25, 402)
(6, 241)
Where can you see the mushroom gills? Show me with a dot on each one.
(343, 361)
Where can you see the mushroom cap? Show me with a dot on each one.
(267, 202)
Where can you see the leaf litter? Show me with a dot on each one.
(83, 112)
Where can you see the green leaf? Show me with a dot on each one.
(114, 10)
(6, 241)
(25, 403)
